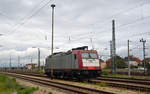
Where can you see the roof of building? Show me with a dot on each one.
(133, 58)
(147, 59)
(30, 64)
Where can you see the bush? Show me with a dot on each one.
(120, 63)
(9, 85)
(26, 90)
(105, 73)
(148, 67)
(132, 66)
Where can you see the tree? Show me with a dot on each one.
(120, 62)
(148, 67)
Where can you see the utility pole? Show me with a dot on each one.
(38, 59)
(52, 38)
(18, 61)
(128, 59)
(43, 65)
(113, 47)
(144, 41)
(10, 63)
(31, 64)
(111, 55)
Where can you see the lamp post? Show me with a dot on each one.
(53, 5)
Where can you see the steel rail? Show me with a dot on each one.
(122, 84)
(67, 87)
(142, 82)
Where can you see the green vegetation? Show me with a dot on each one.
(26, 90)
(120, 62)
(9, 85)
(126, 76)
(37, 71)
(102, 84)
(148, 67)
(105, 73)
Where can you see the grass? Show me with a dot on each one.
(9, 85)
(37, 71)
(130, 77)
(102, 84)
(26, 90)
(106, 73)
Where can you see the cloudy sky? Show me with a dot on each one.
(25, 25)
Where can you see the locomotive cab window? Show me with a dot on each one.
(89, 56)
(85, 55)
(93, 55)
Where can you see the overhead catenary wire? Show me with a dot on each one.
(83, 38)
(117, 14)
(84, 35)
(119, 27)
(126, 10)
(11, 20)
(113, 15)
(29, 17)
(7, 17)
(25, 17)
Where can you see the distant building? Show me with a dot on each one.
(31, 66)
(120, 63)
(108, 62)
(133, 60)
(102, 63)
(147, 60)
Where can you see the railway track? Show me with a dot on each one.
(133, 84)
(128, 80)
(133, 73)
(142, 85)
(67, 87)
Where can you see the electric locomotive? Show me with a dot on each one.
(76, 63)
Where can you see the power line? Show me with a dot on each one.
(36, 12)
(6, 16)
(141, 4)
(116, 14)
(130, 23)
(33, 9)
(133, 22)
(24, 18)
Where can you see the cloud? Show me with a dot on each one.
(81, 20)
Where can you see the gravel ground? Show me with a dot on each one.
(42, 89)
(105, 88)
(50, 90)
(47, 90)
